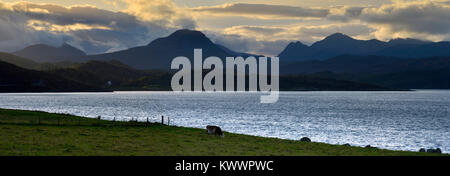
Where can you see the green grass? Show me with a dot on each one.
(21, 134)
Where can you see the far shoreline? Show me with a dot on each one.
(299, 90)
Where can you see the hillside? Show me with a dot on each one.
(19, 61)
(122, 77)
(415, 79)
(160, 52)
(317, 83)
(365, 64)
(32, 65)
(16, 79)
(426, 73)
(46, 53)
(116, 75)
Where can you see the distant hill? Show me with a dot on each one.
(16, 79)
(116, 75)
(315, 83)
(30, 64)
(19, 61)
(341, 44)
(122, 77)
(412, 79)
(425, 73)
(417, 51)
(160, 52)
(46, 53)
(365, 64)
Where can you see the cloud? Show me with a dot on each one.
(257, 32)
(162, 12)
(345, 13)
(14, 31)
(255, 28)
(263, 11)
(240, 43)
(430, 17)
(270, 40)
(306, 33)
(86, 15)
(89, 28)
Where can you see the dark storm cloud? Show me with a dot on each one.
(421, 17)
(78, 14)
(91, 29)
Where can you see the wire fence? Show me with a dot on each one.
(69, 120)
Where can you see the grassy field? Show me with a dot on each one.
(29, 133)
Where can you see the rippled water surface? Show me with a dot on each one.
(392, 120)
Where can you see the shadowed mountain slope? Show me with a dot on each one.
(16, 79)
(160, 52)
(46, 53)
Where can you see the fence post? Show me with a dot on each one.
(162, 120)
(147, 122)
(98, 120)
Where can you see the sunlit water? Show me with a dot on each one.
(391, 120)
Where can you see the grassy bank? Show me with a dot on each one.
(40, 133)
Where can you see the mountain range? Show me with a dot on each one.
(398, 63)
(114, 75)
(340, 44)
(159, 53)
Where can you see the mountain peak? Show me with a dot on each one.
(293, 50)
(183, 36)
(159, 53)
(49, 47)
(296, 45)
(187, 34)
(338, 36)
(337, 41)
(47, 53)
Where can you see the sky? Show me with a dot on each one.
(253, 26)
